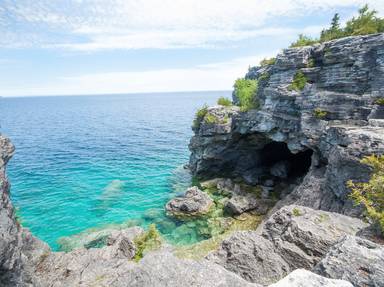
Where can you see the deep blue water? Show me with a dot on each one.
(87, 161)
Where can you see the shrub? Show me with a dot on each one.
(245, 91)
(147, 241)
(380, 102)
(268, 62)
(224, 102)
(371, 194)
(264, 76)
(200, 114)
(311, 63)
(299, 82)
(211, 119)
(303, 41)
(319, 113)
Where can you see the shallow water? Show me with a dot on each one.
(88, 161)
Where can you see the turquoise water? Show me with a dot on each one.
(88, 161)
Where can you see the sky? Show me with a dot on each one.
(74, 47)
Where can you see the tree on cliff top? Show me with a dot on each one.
(367, 22)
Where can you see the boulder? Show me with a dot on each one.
(354, 259)
(240, 203)
(303, 235)
(293, 237)
(194, 203)
(252, 257)
(305, 278)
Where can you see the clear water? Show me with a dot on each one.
(87, 161)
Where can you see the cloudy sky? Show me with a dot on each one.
(68, 47)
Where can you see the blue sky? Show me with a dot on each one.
(68, 47)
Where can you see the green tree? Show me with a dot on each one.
(365, 23)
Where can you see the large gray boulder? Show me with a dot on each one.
(293, 237)
(194, 203)
(354, 259)
(303, 235)
(252, 257)
(305, 278)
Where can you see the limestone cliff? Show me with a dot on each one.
(321, 131)
(300, 144)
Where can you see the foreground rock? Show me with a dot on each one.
(194, 203)
(294, 237)
(354, 259)
(160, 268)
(304, 278)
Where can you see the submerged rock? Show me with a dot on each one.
(354, 259)
(304, 278)
(194, 203)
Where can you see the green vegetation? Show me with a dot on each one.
(200, 114)
(149, 240)
(303, 41)
(319, 113)
(367, 22)
(264, 76)
(211, 119)
(296, 212)
(299, 82)
(371, 194)
(311, 63)
(224, 102)
(245, 91)
(267, 62)
(380, 102)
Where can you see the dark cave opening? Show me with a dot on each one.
(282, 163)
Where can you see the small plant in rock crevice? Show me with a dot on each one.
(149, 240)
(299, 82)
(319, 113)
(296, 212)
(371, 194)
(380, 102)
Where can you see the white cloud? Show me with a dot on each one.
(134, 24)
(213, 76)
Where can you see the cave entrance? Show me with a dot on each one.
(280, 162)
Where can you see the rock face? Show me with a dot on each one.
(94, 267)
(18, 248)
(194, 203)
(304, 278)
(286, 138)
(293, 237)
(356, 260)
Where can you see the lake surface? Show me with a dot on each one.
(88, 161)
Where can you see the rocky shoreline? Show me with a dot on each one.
(272, 188)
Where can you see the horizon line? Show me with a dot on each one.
(111, 94)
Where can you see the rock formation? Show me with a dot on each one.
(293, 237)
(194, 203)
(298, 148)
(287, 137)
